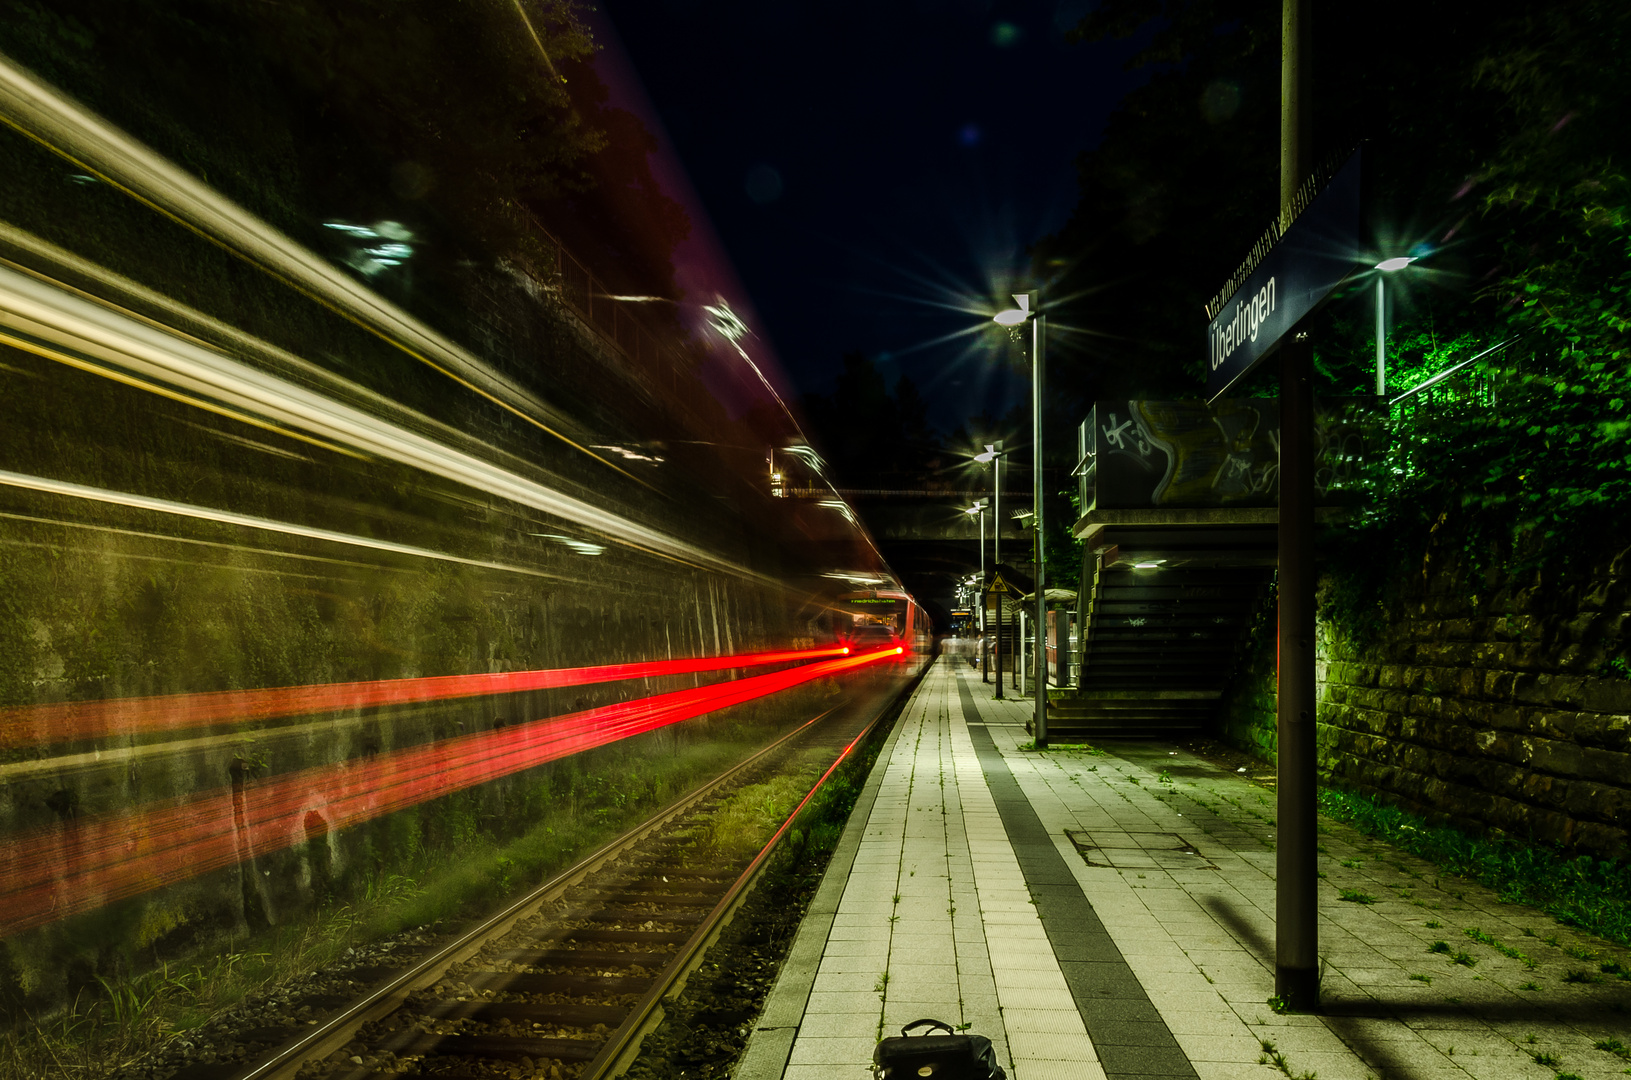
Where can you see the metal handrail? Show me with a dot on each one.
(1447, 372)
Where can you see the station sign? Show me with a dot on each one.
(1315, 255)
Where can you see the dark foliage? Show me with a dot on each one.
(1498, 157)
(872, 437)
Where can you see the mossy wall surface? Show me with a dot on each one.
(1494, 700)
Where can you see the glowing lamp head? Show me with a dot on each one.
(846, 650)
(1399, 263)
(1016, 315)
(898, 651)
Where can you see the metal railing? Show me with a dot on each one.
(1479, 387)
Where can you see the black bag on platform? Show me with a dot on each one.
(942, 1057)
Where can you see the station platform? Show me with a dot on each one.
(1111, 914)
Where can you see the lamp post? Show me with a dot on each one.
(1386, 266)
(1039, 325)
(978, 509)
(993, 454)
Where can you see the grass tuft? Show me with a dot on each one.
(1614, 1046)
(1354, 896)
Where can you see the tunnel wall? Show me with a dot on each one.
(1498, 701)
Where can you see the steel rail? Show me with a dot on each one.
(624, 1043)
(338, 1029)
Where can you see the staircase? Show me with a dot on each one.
(1168, 609)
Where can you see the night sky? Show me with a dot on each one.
(865, 164)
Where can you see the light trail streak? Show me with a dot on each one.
(48, 320)
(227, 517)
(51, 873)
(245, 548)
(49, 118)
(74, 720)
(220, 333)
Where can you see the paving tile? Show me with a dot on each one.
(1315, 1038)
(1029, 979)
(1343, 1065)
(827, 1025)
(1065, 1020)
(846, 980)
(809, 1072)
(1046, 1069)
(1187, 1000)
(1051, 1046)
(832, 1051)
(1036, 997)
(1110, 1010)
(856, 1001)
(1144, 1060)
(1220, 1047)
(1220, 1070)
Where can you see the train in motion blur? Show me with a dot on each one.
(882, 618)
(361, 509)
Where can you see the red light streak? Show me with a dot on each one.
(35, 725)
(51, 873)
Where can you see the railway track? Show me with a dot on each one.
(564, 983)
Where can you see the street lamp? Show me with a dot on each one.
(1386, 266)
(1039, 324)
(993, 454)
(978, 509)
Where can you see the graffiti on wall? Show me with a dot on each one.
(1195, 454)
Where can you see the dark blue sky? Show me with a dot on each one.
(864, 162)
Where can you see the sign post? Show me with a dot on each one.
(1311, 250)
(1337, 222)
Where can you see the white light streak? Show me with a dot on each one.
(103, 151)
(48, 486)
(45, 319)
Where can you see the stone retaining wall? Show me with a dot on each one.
(1501, 706)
